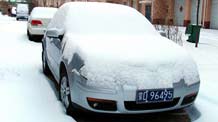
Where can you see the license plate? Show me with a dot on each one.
(153, 96)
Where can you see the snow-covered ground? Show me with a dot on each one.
(27, 95)
(206, 57)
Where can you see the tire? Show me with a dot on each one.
(30, 37)
(64, 93)
(28, 34)
(45, 67)
(17, 19)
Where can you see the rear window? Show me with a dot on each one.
(42, 12)
(107, 19)
(23, 7)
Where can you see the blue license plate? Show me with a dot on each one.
(154, 96)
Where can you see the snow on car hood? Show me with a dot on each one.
(145, 62)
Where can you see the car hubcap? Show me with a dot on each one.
(65, 92)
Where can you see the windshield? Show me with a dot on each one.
(106, 20)
(22, 7)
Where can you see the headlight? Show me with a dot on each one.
(83, 73)
(78, 77)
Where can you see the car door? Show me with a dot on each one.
(54, 53)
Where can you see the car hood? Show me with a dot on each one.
(146, 62)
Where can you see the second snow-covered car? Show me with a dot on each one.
(109, 58)
(22, 11)
(38, 21)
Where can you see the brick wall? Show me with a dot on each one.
(163, 11)
(4, 7)
(57, 3)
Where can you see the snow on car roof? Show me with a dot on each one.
(103, 18)
(43, 12)
(24, 6)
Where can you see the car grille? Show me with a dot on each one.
(132, 106)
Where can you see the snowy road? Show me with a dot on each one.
(206, 57)
(26, 94)
(29, 96)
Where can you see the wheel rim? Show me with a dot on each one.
(65, 92)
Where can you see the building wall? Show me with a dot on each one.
(179, 10)
(171, 11)
(214, 14)
(4, 7)
(208, 14)
(57, 3)
(159, 11)
(194, 12)
(163, 11)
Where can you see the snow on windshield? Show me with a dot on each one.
(22, 7)
(106, 19)
(43, 12)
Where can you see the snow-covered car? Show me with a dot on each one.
(109, 58)
(22, 11)
(38, 21)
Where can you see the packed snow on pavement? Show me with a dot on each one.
(206, 56)
(27, 95)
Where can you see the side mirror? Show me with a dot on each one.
(54, 33)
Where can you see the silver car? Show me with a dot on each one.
(108, 58)
(38, 21)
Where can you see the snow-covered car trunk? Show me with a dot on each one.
(39, 19)
(145, 62)
(44, 14)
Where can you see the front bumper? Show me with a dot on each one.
(124, 97)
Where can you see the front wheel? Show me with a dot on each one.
(64, 93)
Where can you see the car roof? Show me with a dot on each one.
(87, 17)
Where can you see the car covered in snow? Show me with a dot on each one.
(109, 58)
(22, 11)
(38, 21)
